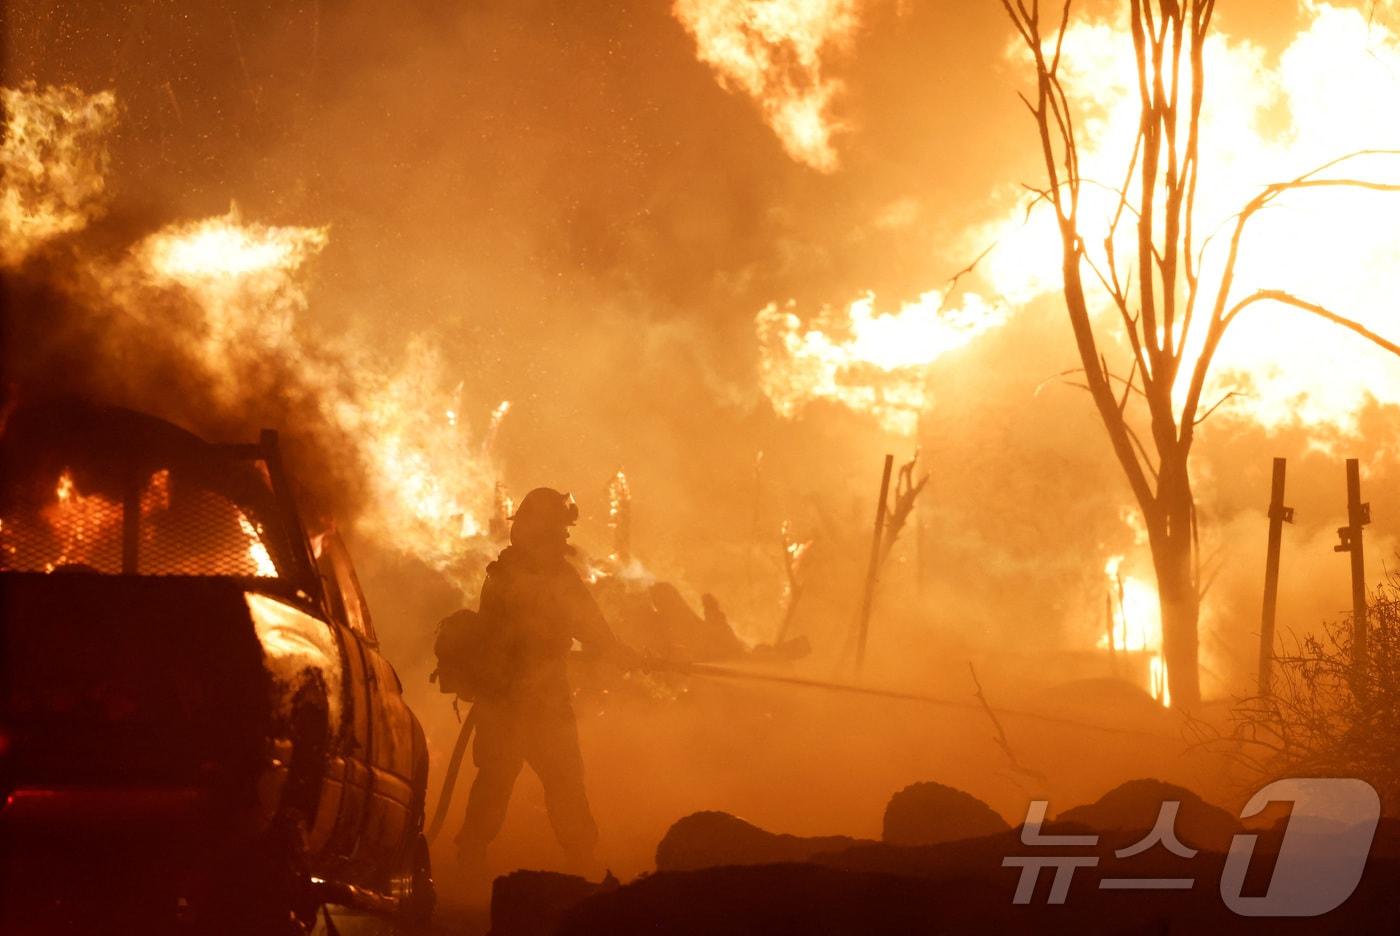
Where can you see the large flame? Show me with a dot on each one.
(430, 483)
(1330, 92)
(222, 254)
(431, 486)
(244, 278)
(870, 362)
(52, 162)
(772, 50)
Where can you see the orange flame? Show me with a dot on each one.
(1137, 624)
(773, 51)
(244, 279)
(257, 552)
(868, 362)
(84, 523)
(52, 161)
(431, 485)
(156, 496)
(432, 488)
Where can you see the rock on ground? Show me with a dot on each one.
(713, 839)
(929, 813)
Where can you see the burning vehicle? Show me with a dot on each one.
(194, 714)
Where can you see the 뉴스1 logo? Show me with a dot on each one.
(1320, 860)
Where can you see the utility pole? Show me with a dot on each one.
(1358, 515)
(872, 572)
(1278, 516)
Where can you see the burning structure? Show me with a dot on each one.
(795, 234)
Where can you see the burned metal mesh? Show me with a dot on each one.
(77, 533)
(201, 533)
(180, 530)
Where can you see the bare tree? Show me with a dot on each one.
(1157, 292)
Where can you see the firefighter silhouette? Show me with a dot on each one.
(533, 606)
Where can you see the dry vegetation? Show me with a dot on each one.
(1326, 716)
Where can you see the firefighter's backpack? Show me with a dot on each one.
(468, 656)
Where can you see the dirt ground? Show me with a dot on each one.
(811, 762)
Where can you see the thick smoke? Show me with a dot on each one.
(73, 329)
(203, 322)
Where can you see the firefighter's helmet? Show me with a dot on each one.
(546, 508)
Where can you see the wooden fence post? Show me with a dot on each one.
(872, 572)
(1358, 515)
(1278, 516)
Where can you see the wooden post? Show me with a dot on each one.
(1278, 516)
(919, 554)
(872, 572)
(920, 568)
(1358, 515)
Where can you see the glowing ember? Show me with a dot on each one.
(868, 362)
(52, 160)
(772, 50)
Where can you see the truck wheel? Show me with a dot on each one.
(415, 889)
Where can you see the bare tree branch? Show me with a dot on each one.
(1215, 406)
(1277, 295)
(1000, 739)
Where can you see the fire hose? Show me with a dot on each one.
(454, 764)
(725, 672)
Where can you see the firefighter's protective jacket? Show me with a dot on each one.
(536, 606)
